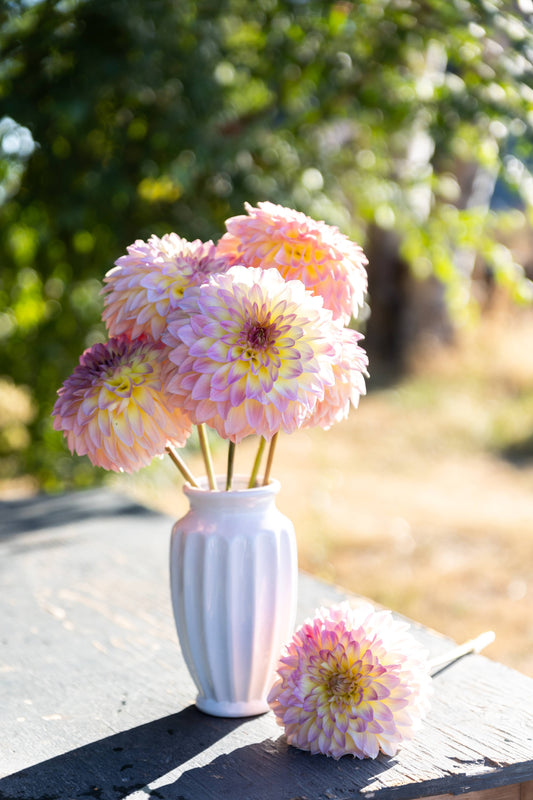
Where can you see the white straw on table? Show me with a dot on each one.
(472, 646)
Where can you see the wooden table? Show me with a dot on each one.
(95, 701)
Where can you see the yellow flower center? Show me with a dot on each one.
(342, 686)
(177, 291)
(120, 384)
(123, 380)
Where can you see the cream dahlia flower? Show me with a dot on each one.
(113, 408)
(146, 285)
(351, 681)
(252, 352)
(325, 260)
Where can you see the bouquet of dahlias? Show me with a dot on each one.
(247, 337)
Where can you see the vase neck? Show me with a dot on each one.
(239, 498)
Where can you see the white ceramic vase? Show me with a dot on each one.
(233, 575)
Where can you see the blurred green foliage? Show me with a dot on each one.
(123, 118)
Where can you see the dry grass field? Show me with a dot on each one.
(422, 500)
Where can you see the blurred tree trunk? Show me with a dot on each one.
(404, 310)
(388, 277)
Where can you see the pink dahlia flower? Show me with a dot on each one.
(148, 283)
(349, 370)
(113, 409)
(351, 681)
(252, 353)
(325, 260)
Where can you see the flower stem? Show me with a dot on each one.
(231, 462)
(257, 462)
(181, 466)
(206, 453)
(270, 459)
(472, 646)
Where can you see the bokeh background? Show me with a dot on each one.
(406, 123)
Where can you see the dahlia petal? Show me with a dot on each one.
(253, 385)
(371, 747)
(204, 410)
(292, 715)
(382, 711)
(104, 423)
(273, 421)
(307, 729)
(339, 739)
(352, 747)
(201, 387)
(281, 403)
(204, 347)
(236, 371)
(342, 722)
(203, 364)
(145, 402)
(403, 719)
(374, 727)
(397, 703)
(222, 377)
(93, 434)
(145, 314)
(235, 424)
(386, 746)
(88, 406)
(183, 333)
(174, 384)
(254, 414)
(237, 393)
(324, 743)
(266, 380)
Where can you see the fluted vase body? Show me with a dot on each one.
(233, 572)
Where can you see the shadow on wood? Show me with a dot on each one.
(118, 765)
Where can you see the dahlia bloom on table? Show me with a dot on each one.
(352, 681)
(247, 337)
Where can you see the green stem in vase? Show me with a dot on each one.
(206, 453)
(231, 463)
(270, 459)
(181, 466)
(257, 462)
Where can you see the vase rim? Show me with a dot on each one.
(239, 487)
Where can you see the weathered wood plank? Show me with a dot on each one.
(526, 790)
(523, 791)
(500, 793)
(96, 702)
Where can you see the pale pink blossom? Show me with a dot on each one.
(325, 260)
(252, 352)
(349, 369)
(114, 409)
(351, 681)
(147, 283)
